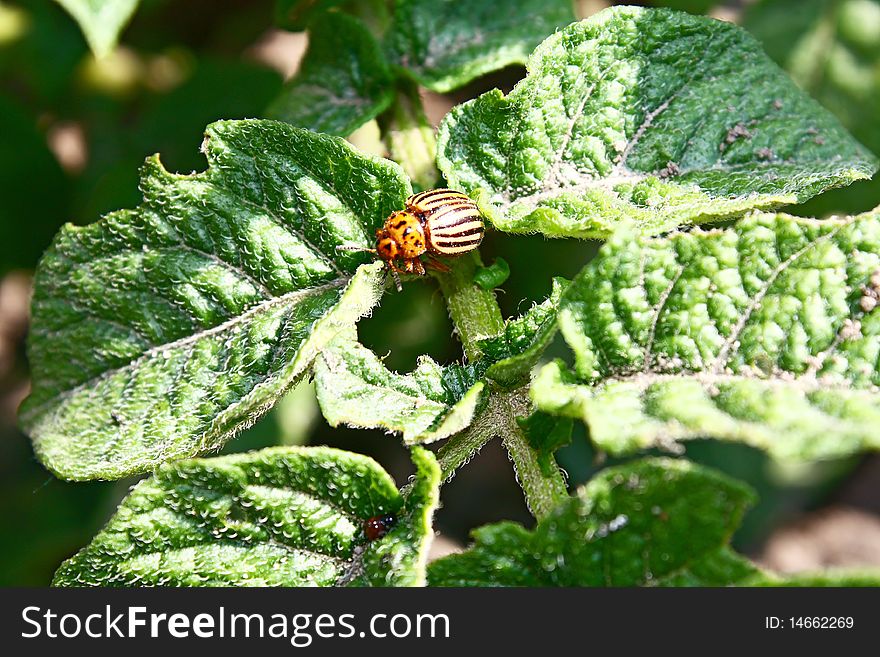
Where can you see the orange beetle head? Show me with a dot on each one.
(402, 237)
(386, 247)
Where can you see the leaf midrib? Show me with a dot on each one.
(620, 171)
(341, 563)
(628, 176)
(806, 383)
(290, 297)
(209, 538)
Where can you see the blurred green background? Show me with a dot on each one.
(75, 130)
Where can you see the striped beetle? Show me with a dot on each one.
(439, 222)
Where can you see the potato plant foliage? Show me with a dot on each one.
(160, 332)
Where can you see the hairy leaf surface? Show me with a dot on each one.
(652, 522)
(432, 402)
(159, 332)
(511, 355)
(654, 115)
(767, 333)
(287, 516)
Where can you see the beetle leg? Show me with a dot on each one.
(395, 272)
(392, 270)
(413, 266)
(436, 265)
(396, 278)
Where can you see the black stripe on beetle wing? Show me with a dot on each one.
(455, 241)
(470, 231)
(433, 194)
(445, 248)
(438, 200)
(444, 215)
(459, 231)
(457, 249)
(442, 205)
(421, 196)
(438, 194)
(438, 230)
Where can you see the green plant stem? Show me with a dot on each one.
(462, 447)
(475, 315)
(411, 137)
(544, 487)
(474, 311)
(543, 493)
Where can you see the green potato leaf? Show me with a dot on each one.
(343, 81)
(647, 114)
(654, 522)
(432, 402)
(510, 356)
(546, 434)
(355, 388)
(766, 333)
(492, 276)
(161, 331)
(831, 48)
(285, 516)
(101, 21)
(444, 44)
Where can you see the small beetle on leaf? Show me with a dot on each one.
(377, 526)
(439, 222)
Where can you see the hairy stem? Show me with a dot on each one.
(475, 314)
(544, 487)
(462, 447)
(474, 311)
(411, 137)
(542, 481)
(542, 493)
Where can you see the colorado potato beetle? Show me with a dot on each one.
(438, 222)
(377, 526)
